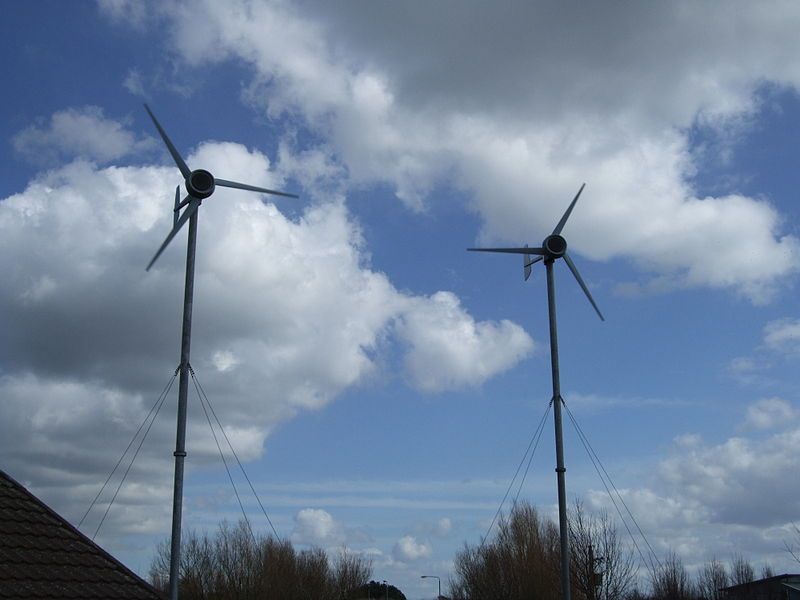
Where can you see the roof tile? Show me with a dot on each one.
(42, 556)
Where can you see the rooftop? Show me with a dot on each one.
(43, 556)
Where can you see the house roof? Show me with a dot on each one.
(43, 556)
(789, 577)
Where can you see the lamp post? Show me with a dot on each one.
(386, 587)
(439, 581)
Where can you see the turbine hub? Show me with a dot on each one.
(555, 246)
(200, 184)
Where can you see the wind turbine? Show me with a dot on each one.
(554, 247)
(200, 184)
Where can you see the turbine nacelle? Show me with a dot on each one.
(555, 246)
(200, 184)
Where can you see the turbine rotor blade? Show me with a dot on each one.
(563, 221)
(525, 250)
(185, 171)
(182, 203)
(251, 188)
(194, 204)
(578, 278)
(534, 261)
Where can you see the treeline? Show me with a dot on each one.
(522, 561)
(236, 564)
(671, 580)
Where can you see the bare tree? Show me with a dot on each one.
(767, 571)
(671, 581)
(521, 562)
(793, 548)
(711, 578)
(595, 547)
(741, 570)
(236, 564)
(349, 573)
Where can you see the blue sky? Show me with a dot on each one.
(381, 382)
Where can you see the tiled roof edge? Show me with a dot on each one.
(83, 537)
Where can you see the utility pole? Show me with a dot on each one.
(595, 577)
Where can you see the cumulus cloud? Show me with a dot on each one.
(134, 84)
(783, 335)
(130, 12)
(288, 315)
(315, 526)
(770, 413)
(408, 549)
(78, 133)
(417, 111)
(444, 527)
(736, 479)
(707, 497)
(449, 349)
(747, 369)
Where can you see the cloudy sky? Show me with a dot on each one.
(380, 383)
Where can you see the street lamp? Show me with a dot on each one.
(386, 586)
(436, 577)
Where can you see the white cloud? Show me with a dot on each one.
(449, 349)
(408, 549)
(743, 366)
(783, 335)
(224, 360)
(56, 434)
(414, 102)
(315, 526)
(78, 132)
(316, 169)
(288, 315)
(134, 84)
(596, 402)
(737, 479)
(705, 498)
(444, 527)
(770, 413)
(130, 12)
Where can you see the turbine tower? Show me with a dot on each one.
(200, 184)
(554, 247)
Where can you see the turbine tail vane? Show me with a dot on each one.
(177, 207)
(563, 221)
(585, 289)
(251, 188)
(528, 263)
(194, 204)
(185, 171)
